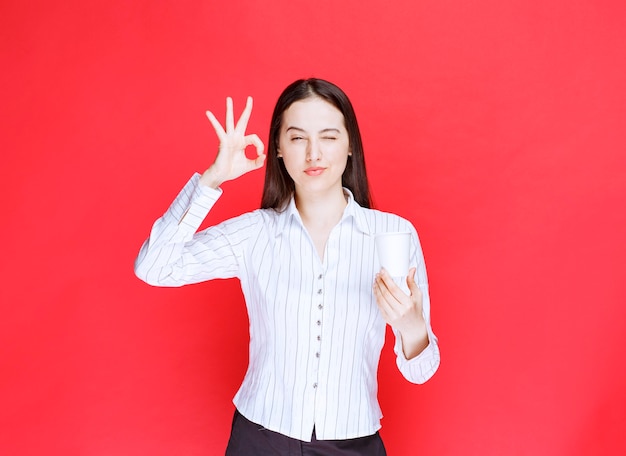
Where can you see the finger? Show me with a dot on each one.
(385, 309)
(414, 289)
(391, 285)
(254, 140)
(386, 293)
(258, 162)
(389, 307)
(230, 122)
(217, 126)
(410, 280)
(242, 123)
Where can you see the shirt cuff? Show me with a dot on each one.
(423, 366)
(192, 204)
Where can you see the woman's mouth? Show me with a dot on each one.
(314, 171)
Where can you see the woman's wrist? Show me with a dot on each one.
(211, 179)
(414, 341)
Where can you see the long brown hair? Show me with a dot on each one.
(279, 187)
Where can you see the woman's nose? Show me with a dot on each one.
(313, 152)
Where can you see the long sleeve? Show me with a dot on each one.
(174, 254)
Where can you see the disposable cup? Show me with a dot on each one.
(393, 252)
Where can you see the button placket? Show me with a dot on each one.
(319, 296)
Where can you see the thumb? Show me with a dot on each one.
(410, 281)
(256, 163)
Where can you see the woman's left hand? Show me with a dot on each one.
(403, 312)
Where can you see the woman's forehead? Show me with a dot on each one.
(312, 114)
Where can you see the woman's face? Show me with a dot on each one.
(314, 145)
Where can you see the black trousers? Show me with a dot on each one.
(251, 439)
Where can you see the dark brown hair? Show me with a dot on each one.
(279, 187)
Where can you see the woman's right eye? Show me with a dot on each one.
(297, 138)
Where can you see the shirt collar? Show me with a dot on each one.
(353, 209)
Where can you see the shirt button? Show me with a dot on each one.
(319, 291)
(320, 306)
(314, 385)
(318, 322)
(317, 355)
(319, 337)
(319, 277)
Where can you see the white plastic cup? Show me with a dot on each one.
(393, 252)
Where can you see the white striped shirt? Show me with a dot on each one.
(315, 329)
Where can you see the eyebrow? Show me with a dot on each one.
(325, 130)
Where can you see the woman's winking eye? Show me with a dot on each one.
(328, 134)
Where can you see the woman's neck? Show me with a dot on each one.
(320, 214)
(317, 210)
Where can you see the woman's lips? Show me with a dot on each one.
(314, 171)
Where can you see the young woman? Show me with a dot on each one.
(316, 296)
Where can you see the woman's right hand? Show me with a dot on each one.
(231, 161)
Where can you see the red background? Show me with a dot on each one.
(497, 127)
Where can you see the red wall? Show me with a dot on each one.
(497, 127)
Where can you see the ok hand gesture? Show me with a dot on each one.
(231, 161)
